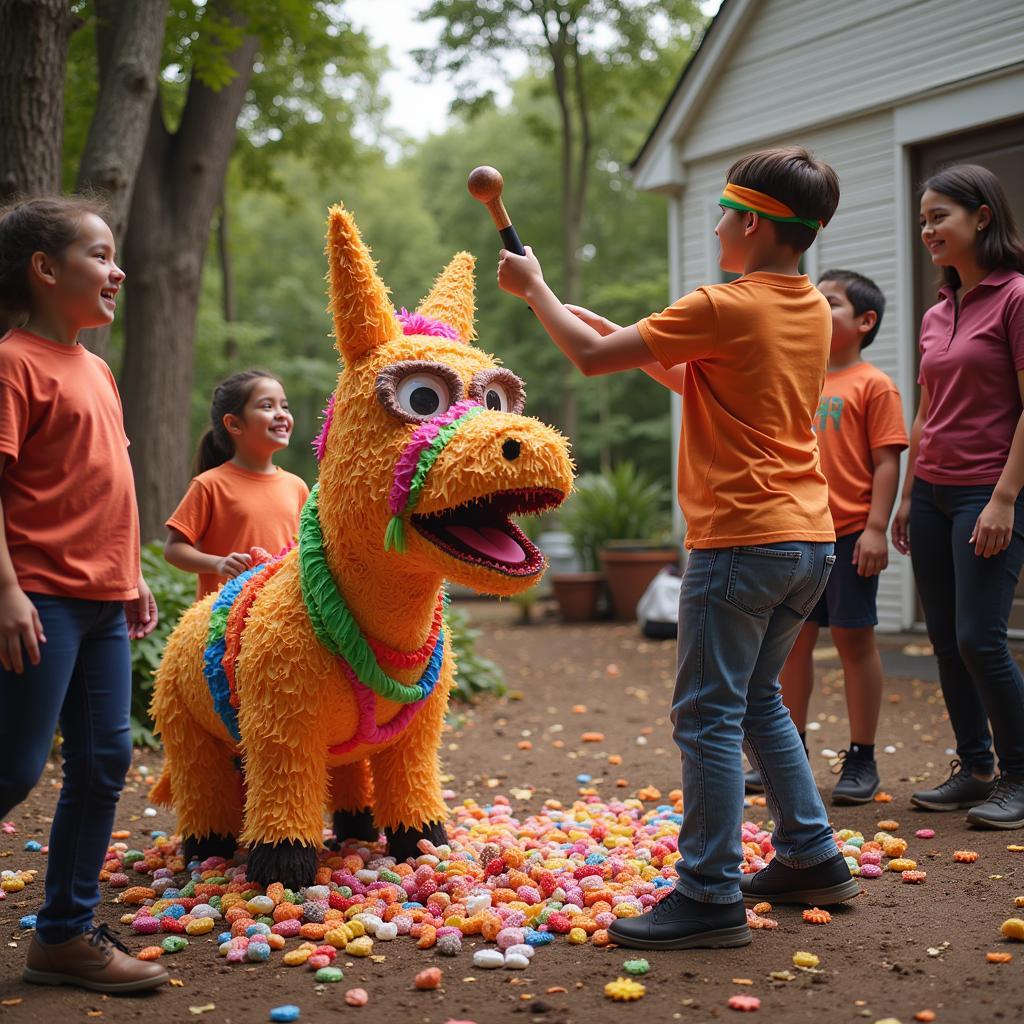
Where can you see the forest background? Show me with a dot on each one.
(221, 131)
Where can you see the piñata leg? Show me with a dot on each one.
(352, 802)
(407, 778)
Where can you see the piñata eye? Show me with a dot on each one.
(423, 394)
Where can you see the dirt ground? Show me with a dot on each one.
(897, 950)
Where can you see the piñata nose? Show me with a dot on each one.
(511, 449)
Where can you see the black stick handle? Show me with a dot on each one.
(510, 239)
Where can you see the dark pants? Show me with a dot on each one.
(967, 602)
(84, 682)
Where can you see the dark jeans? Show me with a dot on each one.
(967, 602)
(84, 682)
(740, 609)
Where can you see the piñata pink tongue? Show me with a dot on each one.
(493, 543)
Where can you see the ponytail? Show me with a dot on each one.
(229, 398)
(210, 453)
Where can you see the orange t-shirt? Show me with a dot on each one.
(228, 508)
(68, 492)
(860, 409)
(755, 351)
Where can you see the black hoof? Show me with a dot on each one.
(357, 825)
(291, 863)
(213, 845)
(403, 842)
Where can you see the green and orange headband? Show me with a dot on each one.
(749, 200)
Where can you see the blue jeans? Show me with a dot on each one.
(740, 610)
(84, 682)
(967, 601)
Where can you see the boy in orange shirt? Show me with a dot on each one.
(860, 436)
(753, 355)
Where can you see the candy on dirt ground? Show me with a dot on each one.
(815, 915)
(428, 979)
(1013, 929)
(803, 959)
(965, 856)
(746, 1004)
(623, 990)
(998, 958)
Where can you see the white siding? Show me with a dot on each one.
(860, 237)
(804, 62)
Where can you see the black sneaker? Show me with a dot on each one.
(858, 782)
(960, 790)
(1004, 808)
(822, 885)
(752, 782)
(678, 922)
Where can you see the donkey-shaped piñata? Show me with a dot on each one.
(328, 672)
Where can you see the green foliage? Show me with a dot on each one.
(174, 592)
(619, 504)
(474, 674)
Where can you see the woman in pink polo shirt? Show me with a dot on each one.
(962, 509)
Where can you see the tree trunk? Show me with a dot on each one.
(570, 237)
(33, 55)
(179, 183)
(227, 279)
(129, 41)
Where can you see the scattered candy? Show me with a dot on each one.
(28, 921)
(357, 997)
(762, 908)
(488, 959)
(636, 966)
(624, 990)
(746, 1004)
(915, 877)
(805, 960)
(329, 975)
(925, 833)
(998, 958)
(965, 856)
(817, 916)
(925, 1016)
(1013, 928)
(431, 978)
(888, 826)
(285, 1013)
(150, 953)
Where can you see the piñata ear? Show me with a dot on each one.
(363, 315)
(451, 300)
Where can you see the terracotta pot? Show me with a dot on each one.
(629, 570)
(577, 594)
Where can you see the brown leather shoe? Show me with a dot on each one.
(94, 960)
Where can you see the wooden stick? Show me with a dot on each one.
(485, 184)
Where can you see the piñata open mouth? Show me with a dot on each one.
(480, 532)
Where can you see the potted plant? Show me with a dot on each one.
(572, 554)
(628, 515)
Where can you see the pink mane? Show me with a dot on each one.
(417, 323)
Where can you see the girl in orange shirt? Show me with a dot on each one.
(71, 594)
(238, 499)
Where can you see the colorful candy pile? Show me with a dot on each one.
(517, 883)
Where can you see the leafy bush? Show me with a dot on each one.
(474, 674)
(623, 503)
(174, 591)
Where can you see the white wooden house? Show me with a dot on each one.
(885, 91)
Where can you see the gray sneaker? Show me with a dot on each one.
(960, 790)
(1004, 808)
(859, 781)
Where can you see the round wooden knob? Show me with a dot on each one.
(485, 183)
